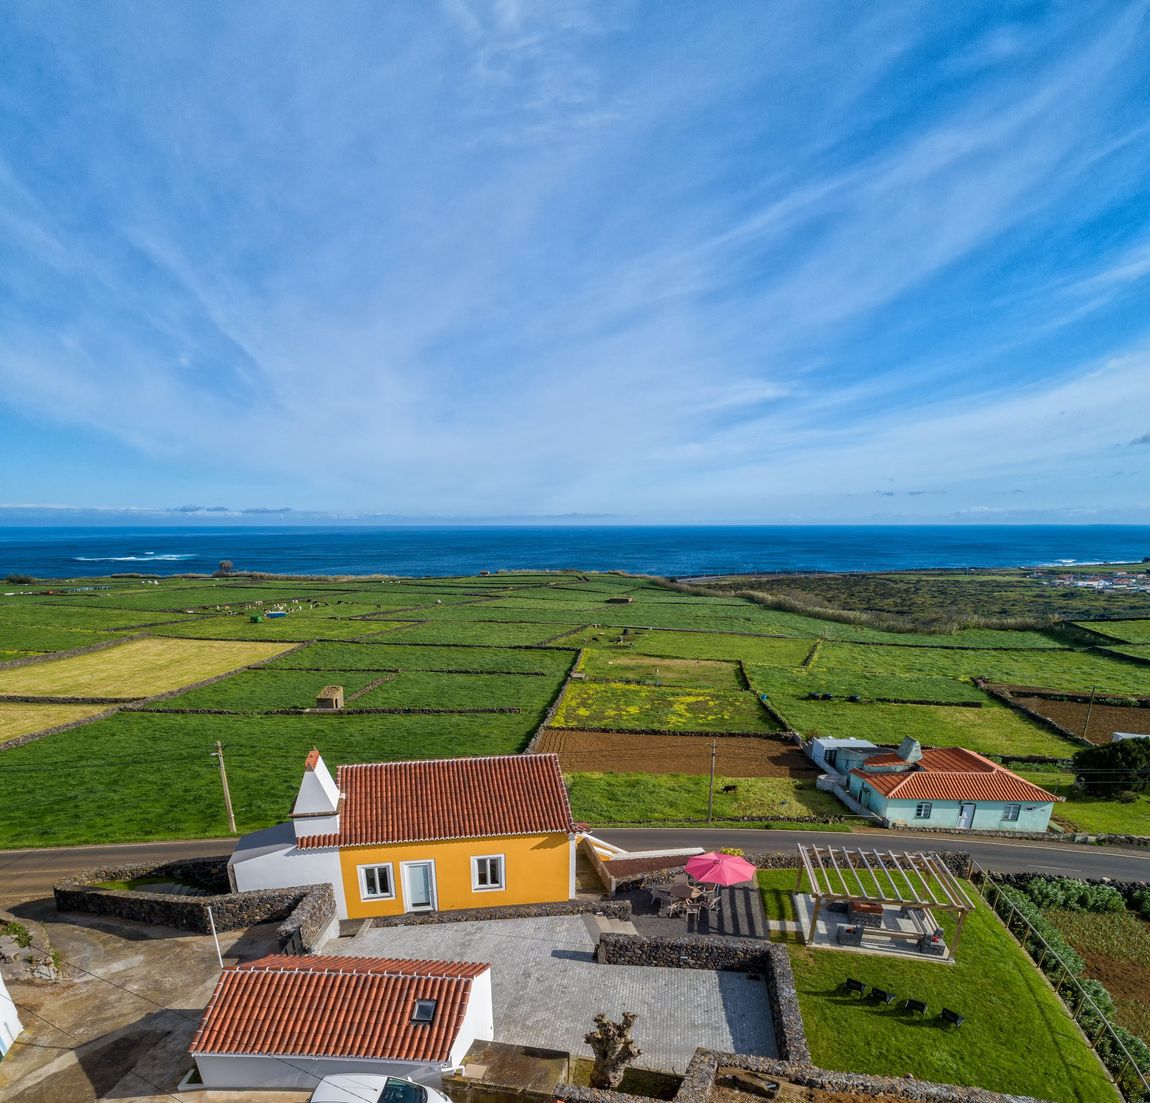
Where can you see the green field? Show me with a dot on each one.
(665, 660)
(1009, 1008)
(1128, 631)
(627, 706)
(650, 798)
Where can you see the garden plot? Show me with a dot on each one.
(1065, 669)
(635, 798)
(763, 650)
(616, 705)
(142, 775)
(139, 668)
(1105, 718)
(19, 719)
(385, 656)
(993, 729)
(736, 756)
(616, 666)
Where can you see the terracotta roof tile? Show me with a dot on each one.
(448, 798)
(952, 773)
(336, 1007)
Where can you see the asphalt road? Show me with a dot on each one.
(30, 874)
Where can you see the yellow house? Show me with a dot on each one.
(432, 835)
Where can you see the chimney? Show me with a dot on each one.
(910, 751)
(316, 808)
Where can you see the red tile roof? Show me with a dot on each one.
(952, 773)
(336, 1007)
(448, 798)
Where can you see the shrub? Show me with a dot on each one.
(1126, 796)
(1053, 936)
(1073, 895)
(19, 932)
(1140, 901)
(19, 579)
(734, 851)
(1115, 767)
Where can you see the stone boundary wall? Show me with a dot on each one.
(71, 652)
(308, 912)
(772, 712)
(408, 670)
(549, 639)
(613, 909)
(53, 699)
(301, 711)
(1018, 880)
(549, 715)
(31, 737)
(1123, 840)
(1038, 718)
(744, 955)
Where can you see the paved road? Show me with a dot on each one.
(27, 874)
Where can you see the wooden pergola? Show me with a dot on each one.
(917, 880)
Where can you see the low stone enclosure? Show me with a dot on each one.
(308, 913)
(708, 1069)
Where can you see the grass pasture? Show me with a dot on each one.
(420, 689)
(1128, 631)
(386, 656)
(18, 719)
(138, 668)
(623, 798)
(869, 686)
(761, 650)
(620, 705)
(491, 633)
(264, 689)
(1010, 1009)
(629, 667)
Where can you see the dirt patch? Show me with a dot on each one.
(623, 752)
(796, 1093)
(1104, 719)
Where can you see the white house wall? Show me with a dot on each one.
(10, 1025)
(236, 1072)
(478, 1020)
(289, 868)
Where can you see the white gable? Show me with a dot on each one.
(318, 795)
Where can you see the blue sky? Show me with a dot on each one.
(758, 262)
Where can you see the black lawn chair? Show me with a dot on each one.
(855, 987)
(915, 1007)
(881, 995)
(951, 1018)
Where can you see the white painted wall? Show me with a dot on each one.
(478, 1020)
(289, 868)
(250, 1071)
(10, 1024)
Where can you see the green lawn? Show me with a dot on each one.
(653, 798)
(1017, 1038)
(1101, 816)
(420, 689)
(617, 666)
(384, 656)
(1129, 631)
(623, 706)
(269, 689)
(762, 650)
(869, 685)
(490, 633)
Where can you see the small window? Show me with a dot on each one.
(830, 756)
(1010, 812)
(424, 1011)
(922, 810)
(487, 873)
(375, 883)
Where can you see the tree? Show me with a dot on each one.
(614, 1049)
(226, 568)
(1113, 767)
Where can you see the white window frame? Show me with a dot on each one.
(363, 892)
(403, 866)
(1011, 813)
(475, 860)
(923, 810)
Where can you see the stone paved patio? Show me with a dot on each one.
(547, 988)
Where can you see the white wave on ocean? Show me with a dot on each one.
(148, 558)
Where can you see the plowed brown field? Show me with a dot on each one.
(1104, 719)
(625, 752)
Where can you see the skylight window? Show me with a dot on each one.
(424, 1011)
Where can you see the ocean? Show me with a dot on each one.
(650, 549)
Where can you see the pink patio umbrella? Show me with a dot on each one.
(720, 869)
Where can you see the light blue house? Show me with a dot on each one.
(948, 787)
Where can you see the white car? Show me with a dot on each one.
(371, 1087)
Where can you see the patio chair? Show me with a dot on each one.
(951, 1018)
(711, 899)
(881, 995)
(856, 987)
(915, 1007)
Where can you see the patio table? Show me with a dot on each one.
(684, 892)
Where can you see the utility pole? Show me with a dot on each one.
(219, 753)
(711, 789)
(1089, 710)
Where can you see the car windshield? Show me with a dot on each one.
(402, 1091)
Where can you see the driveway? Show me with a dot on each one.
(118, 1025)
(547, 988)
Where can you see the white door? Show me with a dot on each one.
(419, 886)
(965, 815)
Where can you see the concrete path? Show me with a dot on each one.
(547, 988)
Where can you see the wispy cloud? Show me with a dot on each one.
(506, 257)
